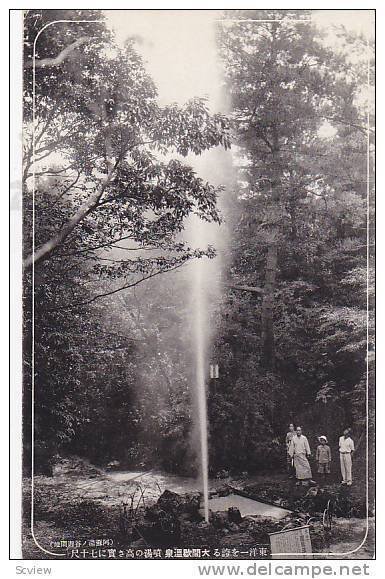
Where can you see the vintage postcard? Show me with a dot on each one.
(197, 214)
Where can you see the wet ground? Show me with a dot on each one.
(85, 482)
(78, 481)
(114, 487)
(247, 507)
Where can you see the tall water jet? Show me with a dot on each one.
(183, 68)
(200, 346)
(206, 275)
(206, 283)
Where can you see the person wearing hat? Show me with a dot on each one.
(323, 456)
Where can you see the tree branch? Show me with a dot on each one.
(47, 248)
(112, 292)
(246, 288)
(360, 128)
(61, 56)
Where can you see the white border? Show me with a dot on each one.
(352, 7)
(33, 279)
(15, 200)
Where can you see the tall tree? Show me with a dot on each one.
(106, 196)
(305, 213)
(102, 134)
(280, 80)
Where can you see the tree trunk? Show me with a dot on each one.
(44, 252)
(268, 347)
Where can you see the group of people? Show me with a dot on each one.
(298, 453)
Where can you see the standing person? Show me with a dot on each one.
(299, 449)
(323, 456)
(346, 445)
(289, 459)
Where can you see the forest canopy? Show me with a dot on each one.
(108, 190)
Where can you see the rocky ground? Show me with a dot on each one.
(81, 505)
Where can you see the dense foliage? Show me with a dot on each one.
(106, 195)
(294, 341)
(109, 193)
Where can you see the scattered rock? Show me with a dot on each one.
(201, 513)
(223, 474)
(222, 491)
(191, 503)
(160, 527)
(246, 524)
(312, 492)
(170, 501)
(234, 515)
(203, 525)
(95, 495)
(113, 465)
(220, 519)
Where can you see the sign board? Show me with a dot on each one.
(294, 542)
(214, 371)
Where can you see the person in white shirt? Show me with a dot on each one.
(346, 452)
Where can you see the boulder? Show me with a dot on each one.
(191, 503)
(312, 492)
(220, 519)
(222, 491)
(160, 527)
(203, 525)
(170, 501)
(113, 465)
(223, 474)
(234, 515)
(201, 513)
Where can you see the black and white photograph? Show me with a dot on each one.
(197, 208)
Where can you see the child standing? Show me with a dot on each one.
(323, 457)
